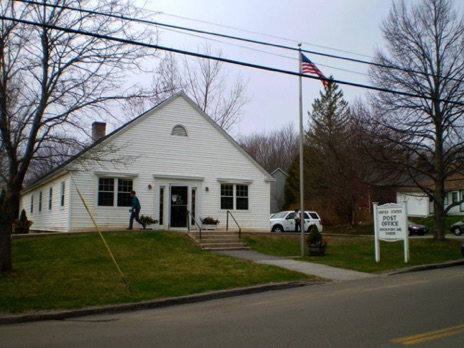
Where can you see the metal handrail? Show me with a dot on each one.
(193, 218)
(227, 224)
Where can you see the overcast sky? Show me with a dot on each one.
(348, 28)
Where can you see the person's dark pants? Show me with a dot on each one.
(135, 215)
(297, 225)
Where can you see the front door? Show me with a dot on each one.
(179, 204)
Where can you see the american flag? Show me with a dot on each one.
(308, 67)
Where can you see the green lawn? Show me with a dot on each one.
(351, 250)
(76, 271)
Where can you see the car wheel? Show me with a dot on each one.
(277, 228)
(457, 231)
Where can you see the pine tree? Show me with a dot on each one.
(328, 124)
(331, 179)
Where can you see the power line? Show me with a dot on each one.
(145, 21)
(262, 34)
(273, 54)
(221, 59)
(266, 52)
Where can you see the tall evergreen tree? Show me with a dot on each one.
(331, 175)
(328, 121)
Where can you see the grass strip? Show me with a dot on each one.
(358, 253)
(75, 271)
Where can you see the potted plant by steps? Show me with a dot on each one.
(209, 223)
(316, 243)
(22, 225)
(148, 220)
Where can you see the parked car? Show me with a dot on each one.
(284, 221)
(417, 229)
(457, 228)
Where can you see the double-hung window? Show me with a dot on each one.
(50, 198)
(241, 192)
(114, 192)
(461, 207)
(62, 192)
(227, 196)
(234, 197)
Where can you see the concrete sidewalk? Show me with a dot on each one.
(323, 271)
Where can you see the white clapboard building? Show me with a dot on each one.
(182, 165)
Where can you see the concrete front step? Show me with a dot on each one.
(218, 240)
(205, 234)
(215, 236)
(225, 248)
(222, 244)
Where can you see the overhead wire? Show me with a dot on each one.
(266, 52)
(269, 44)
(266, 35)
(222, 59)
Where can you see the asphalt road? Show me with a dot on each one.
(386, 311)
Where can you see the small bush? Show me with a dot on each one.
(148, 220)
(315, 238)
(209, 221)
(22, 224)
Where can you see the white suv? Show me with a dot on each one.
(284, 221)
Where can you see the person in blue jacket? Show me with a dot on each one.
(135, 211)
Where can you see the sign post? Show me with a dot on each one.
(390, 225)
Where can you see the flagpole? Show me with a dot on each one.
(301, 155)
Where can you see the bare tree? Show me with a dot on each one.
(207, 83)
(165, 83)
(48, 157)
(422, 137)
(53, 80)
(272, 150)
(168, 78)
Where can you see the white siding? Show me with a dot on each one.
(203, 153)
(201, 159)
(417, 204)
(54, 219)
(105, 217)
(459, 209)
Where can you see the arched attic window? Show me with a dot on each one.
(179, 130)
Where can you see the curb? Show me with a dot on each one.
(173, 301)
(427, 267)
(128, 307)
